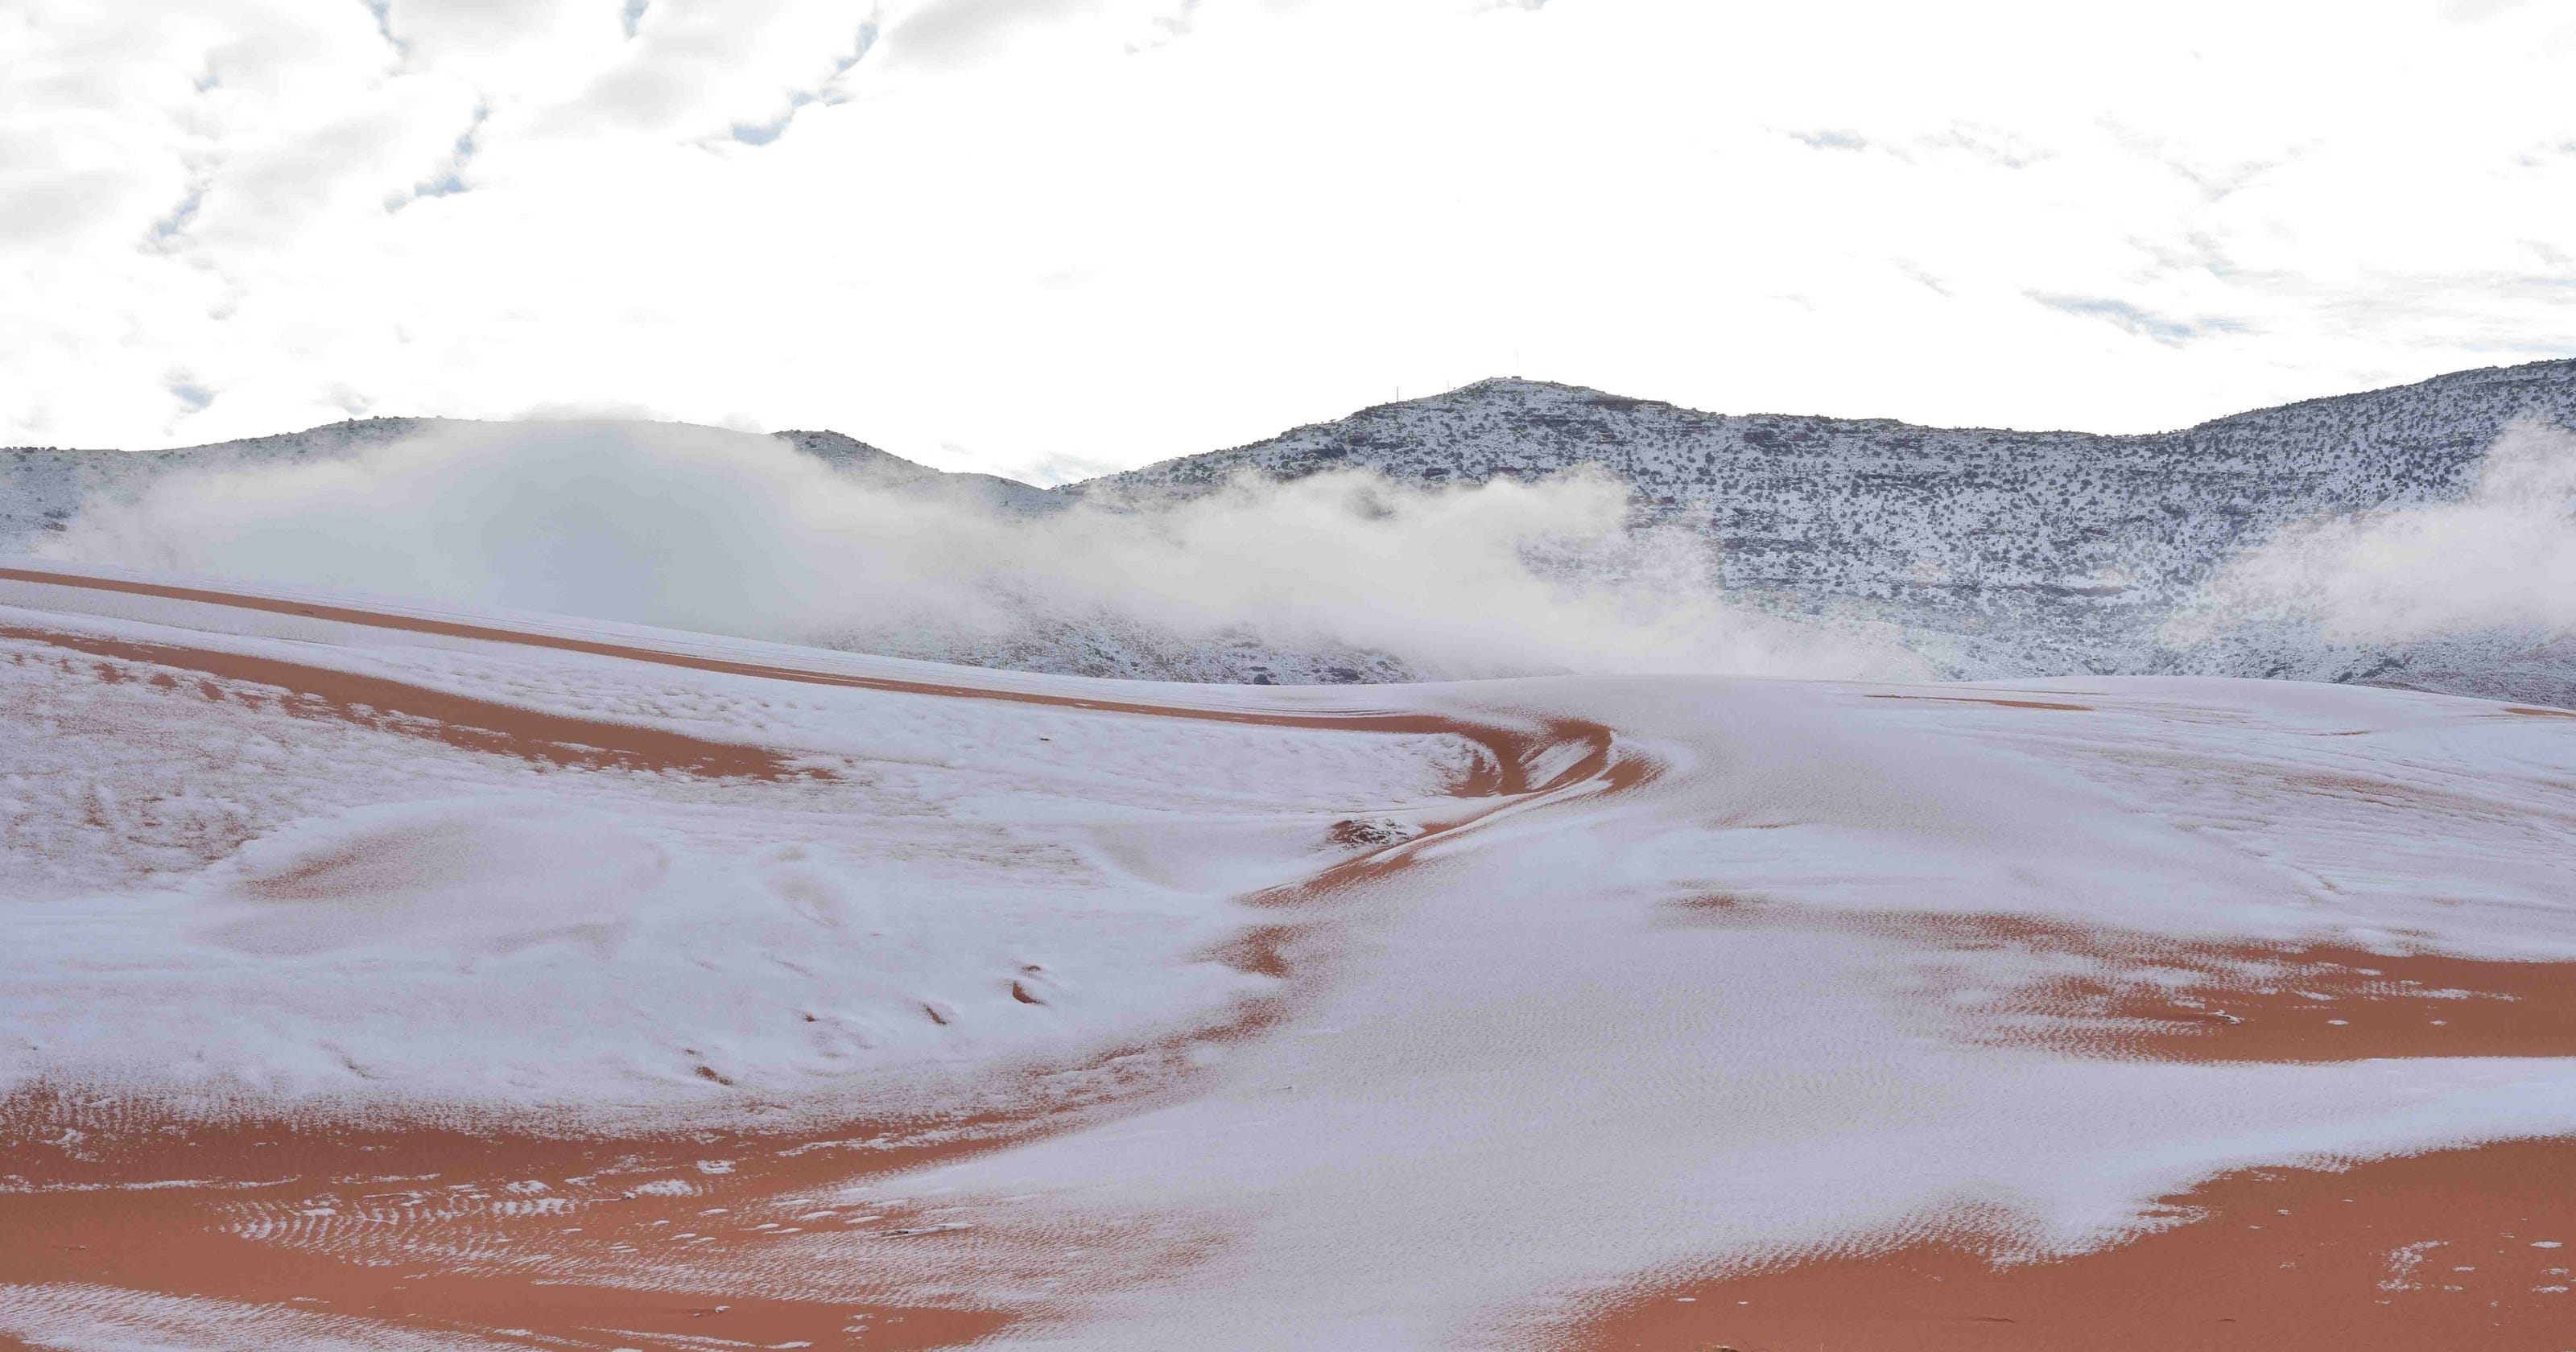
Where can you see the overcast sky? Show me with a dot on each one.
(1045, 237)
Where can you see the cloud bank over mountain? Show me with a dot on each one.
(2504, 557)
(725, 532)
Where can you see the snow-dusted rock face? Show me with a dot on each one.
(1988, 553)
(884, 469)
(42, 488)
(1937, 516)
(2005, 552)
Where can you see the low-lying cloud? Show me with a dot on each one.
(2503, 558)
(725, 532)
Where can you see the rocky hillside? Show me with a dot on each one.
(1994, 553)
(2005, 552)
(43, 487)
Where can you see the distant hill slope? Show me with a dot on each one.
(2011, 552)
(884, 469)
(43, 487)
(1997, 553)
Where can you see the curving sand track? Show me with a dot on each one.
(402, 978)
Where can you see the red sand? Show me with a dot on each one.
(521, 638)
(627, 1242)
(2167, 999)
(421, 1202)
(2431, 1253)
(1511, 747)
(399, 707)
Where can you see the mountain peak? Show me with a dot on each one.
(857, 458)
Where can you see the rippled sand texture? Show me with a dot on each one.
(393, 977)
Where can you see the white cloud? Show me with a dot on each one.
(2503, 558)
(1009, 234)
(726, 532)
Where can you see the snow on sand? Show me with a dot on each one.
(1148, 1016)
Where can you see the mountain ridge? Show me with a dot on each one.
(1997, 552)
(2004, 552)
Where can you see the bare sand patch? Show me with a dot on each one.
(2456, 1249)
(2109, 992)
(388, 705)
(1512, 750)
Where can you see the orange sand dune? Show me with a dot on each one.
(1512, 748)
(119, 1194)
(2456, 1251)
(2149, 996)
(400, 707)
(534, 1234)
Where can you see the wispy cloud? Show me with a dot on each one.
(1831, 138)
(2145, 323)
(1280, 211)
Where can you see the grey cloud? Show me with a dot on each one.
(1172, 27)
(1922, 275)
(2543, 156)
(167, 230)
(264, 194)
(762, 133)
(2145, 323)
(1988, 144)
(449, 178)
(644, 95)
(2216, 182)
(950, 32)
(2474, 10)
(2197, 251)
(442, 25)
(1833, 138)
(37, 208)
(699, 71)
(383, 10)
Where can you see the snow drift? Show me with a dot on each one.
(1136, 1016)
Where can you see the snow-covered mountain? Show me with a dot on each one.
(884, 469)
(43, 487)
(2001, 552)
(1990, 553)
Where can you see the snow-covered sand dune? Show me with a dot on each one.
(390, 976)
